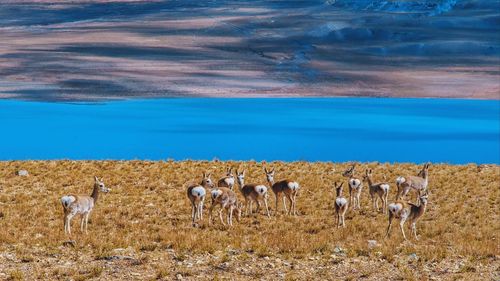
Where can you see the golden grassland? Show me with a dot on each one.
(142, 229)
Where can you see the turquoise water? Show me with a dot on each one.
(318, 129)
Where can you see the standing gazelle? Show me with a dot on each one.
(355, 187)
(341, 205)
(81, 204)
(284, 188)
(227, 181)
(403, 212)
(227, 200)
(196, 194)
(418, 183)
(378, 189)
(252, 192)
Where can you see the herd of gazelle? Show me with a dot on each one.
(223, 195)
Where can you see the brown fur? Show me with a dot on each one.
(377, 190)
(227, 200)
(250, 193)
(281, 188)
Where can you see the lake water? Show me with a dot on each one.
(314, 129)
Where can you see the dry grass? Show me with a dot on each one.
(142, 229)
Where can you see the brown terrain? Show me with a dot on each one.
(142, 230)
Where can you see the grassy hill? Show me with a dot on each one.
(142, 229)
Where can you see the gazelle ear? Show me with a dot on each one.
(243, 173)
(96, 179)
(204, 175)
(237, 173)
(265, 170)
(209, 174)
(341, 184)
(102, 180)
(272, 171)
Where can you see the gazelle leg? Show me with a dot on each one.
(414, 229)
(65, 219)
(401, 224)
(69, 217)
(294, 204)
(291, 203)
(82, 222)
(210, 214)
(230, 216)
(388, 233)
(267, 207)
(220, 215)
(258, 206)
(193, 211)
(277, 199)
(284, 204)
(201, 208)
(87, 222)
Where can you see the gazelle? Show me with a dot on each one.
(355, 187)
(407, 211)
(418, 183)
(341, 205)
(81, 204)
(196, 194)
(228, 200)
(284, 188)
(252, 192)
(378, 189)
(227, 181)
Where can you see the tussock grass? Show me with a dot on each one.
(142, 229)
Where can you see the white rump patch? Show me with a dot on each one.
(293, 185)
(400, 180)
(354, 183)
(385, 187)
(67, 200)
(395, 208)
(341, 202)
(216, 193)
(230, 181)
(198, 191)
(261, 189)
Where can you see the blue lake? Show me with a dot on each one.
(314, 129)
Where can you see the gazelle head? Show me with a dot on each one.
(240, 177)
(100, 184)
(368, 174)
(425, 171)
(269, 174)
(338, 189)
(349, 172)
(207, 181)
(423, 198)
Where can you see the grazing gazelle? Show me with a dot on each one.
(407, 211)
(355, 187)
(228, 200)
(341, 205)
(418, 183)
(227, 181)
(377, 189)
(81, 204)
(284, 188)
(196, 194)
(252, 192)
